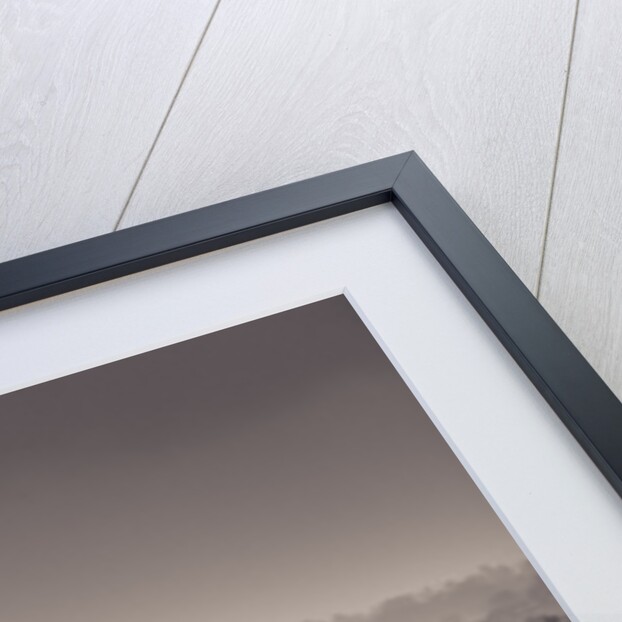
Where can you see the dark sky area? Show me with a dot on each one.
(277, 471)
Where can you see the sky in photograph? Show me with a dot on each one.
(279, 470)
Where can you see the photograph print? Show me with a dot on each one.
(275, 471)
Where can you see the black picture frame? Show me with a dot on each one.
(572, 388)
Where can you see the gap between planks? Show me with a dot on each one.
(547, 218)
(167, 114)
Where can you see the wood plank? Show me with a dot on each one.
(582, 276)
(279, 92)
(84, 87)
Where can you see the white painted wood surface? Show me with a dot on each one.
(84, 87)
(282, 91)
(582, 273)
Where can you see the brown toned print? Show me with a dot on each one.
(277, 471)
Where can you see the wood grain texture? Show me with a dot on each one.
(279, 92)
(84, 87)
(582, 275)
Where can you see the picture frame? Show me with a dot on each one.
(575, 392)
(495, 376)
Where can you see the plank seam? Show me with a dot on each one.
(547, 217)
(166, 115)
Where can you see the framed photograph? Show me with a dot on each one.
(332, 401)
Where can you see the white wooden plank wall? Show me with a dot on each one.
(281, 91)
(108, 118)
(582, 277)
(84, 87)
